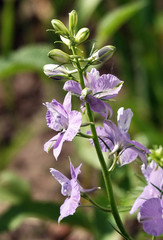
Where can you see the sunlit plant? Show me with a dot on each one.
(95, 91)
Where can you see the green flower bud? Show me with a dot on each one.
(73, 20)
(82, 35)
(59, 27)
(59, 56)
(103, 54)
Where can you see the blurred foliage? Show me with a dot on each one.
(136, 29)
(156, 155)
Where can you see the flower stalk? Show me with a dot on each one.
(93, 91)
(105, 172)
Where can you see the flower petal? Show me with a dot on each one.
(56, 116)
(99, 106)
(59, 176)
(91, 78)
(146, 194)
(107, 86)
(112, 132)
(67, 102)
(106, 144)
(58, 145)
(140, 146)
(128, 155)
(71, 203)
(147, 170)
(151, 217)
(124, 119)
(49, 144)
(74, 171)
(73, 87)
(75, 119)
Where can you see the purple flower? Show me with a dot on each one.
(154, 177)
(60, 118)
(70, 188)
(150, 201)
(151, 216)
(115, 138)
(97, 89)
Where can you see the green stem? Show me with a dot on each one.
(153, 238)
(80, 134)
(111, 168)
(106, 174)
(95, 204)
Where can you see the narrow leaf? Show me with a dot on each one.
(28, 58)
(111, 22)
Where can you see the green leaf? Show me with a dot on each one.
(14, 216)
(13, 188)
(111, 22)
(28, 58)
(85, 9)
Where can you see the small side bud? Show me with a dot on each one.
(73, 20)
(59, 56)
(82, 35)
(59, 27)
(103, 54)
(56, 72)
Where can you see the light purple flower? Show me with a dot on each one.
(150, 201)
(115, 138)
(154, 177)
(70, 188)
(151, 216)
(60, 118)
(97, 89)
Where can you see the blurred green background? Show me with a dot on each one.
(26, 187)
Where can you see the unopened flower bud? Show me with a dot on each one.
(73, 20)
(103, 54)
(82, 35)
(59, 56)
(56, 72)
(59, 27)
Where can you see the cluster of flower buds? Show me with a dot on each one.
(72, 37)
(69, 36)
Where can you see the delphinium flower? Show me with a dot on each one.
(116, 139)
(70, 188)
(61, 119)
(150, 202)
(97, 90)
